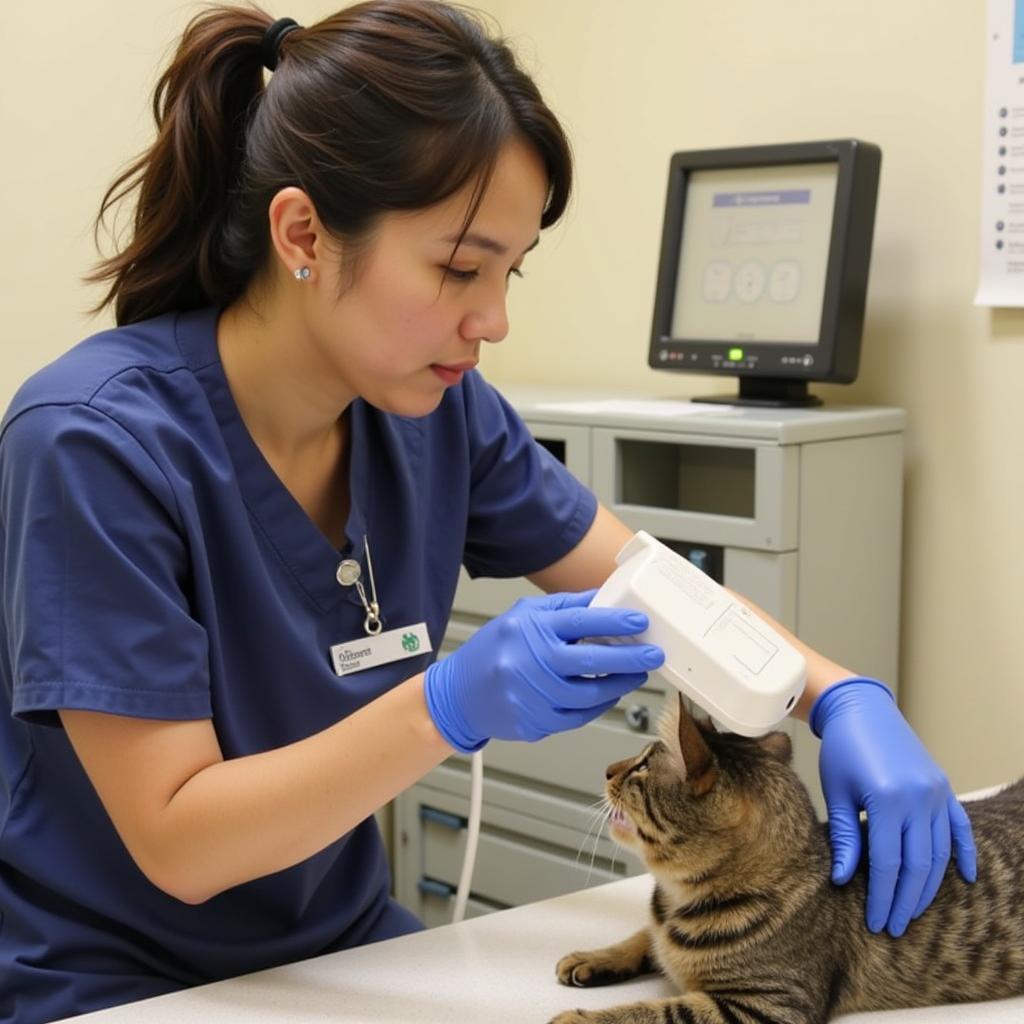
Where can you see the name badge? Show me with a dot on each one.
(382, 649)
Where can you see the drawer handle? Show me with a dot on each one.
(638, 717)
(432, 887)
(452, 821)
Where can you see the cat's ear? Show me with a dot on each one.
(668, 729)
(779, 745)
(699, 765)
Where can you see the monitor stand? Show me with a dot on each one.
(774, 392)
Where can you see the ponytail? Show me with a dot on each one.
(201, 106)
(389, 105)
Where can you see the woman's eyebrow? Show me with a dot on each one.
(484, 242)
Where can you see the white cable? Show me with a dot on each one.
(476, 797)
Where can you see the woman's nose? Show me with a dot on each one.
(487, 323)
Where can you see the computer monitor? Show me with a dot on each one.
(764, 266)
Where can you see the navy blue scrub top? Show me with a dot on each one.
(155, 566)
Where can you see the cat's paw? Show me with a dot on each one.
(573, 1017)
(585, 969)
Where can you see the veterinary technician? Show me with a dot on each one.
(232, 526)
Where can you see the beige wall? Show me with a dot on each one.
(635, 82)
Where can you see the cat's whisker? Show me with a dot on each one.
(593, 822)
(598, 816)
(615, 845)
(593, 850)
(605, 815)
(596, 810)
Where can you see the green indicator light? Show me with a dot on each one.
(736, 355)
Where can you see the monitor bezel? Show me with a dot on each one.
(835, 355)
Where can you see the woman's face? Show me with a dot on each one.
(404, 331)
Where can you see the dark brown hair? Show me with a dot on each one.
(388, 105)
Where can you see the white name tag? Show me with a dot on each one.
(382, 649)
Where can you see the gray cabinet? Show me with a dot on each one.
(799, 510)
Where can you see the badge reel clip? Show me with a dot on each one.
(350, 574)
(376, 648)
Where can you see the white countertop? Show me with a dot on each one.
(490, 970)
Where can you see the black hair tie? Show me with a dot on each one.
(270, 47)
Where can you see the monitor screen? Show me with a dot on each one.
(764, 263)
(753, 254)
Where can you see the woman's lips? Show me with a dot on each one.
(451, 374)
(448, 376)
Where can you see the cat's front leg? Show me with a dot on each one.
(610, 965)
(692, 1008)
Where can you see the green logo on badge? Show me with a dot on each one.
(410, 642)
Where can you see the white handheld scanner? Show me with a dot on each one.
(717, 651)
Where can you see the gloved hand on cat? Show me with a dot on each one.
(519, 676)
(872, 760)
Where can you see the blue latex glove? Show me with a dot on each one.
(872, 760)
(519, 677)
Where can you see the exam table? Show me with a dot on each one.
(489, 970)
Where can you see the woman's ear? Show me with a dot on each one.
(294, 230)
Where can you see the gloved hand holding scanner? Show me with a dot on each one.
(530, 672)
(748, 675)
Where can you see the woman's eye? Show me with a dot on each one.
(461, 275)
(472, 275)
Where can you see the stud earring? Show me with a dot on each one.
(302, 273)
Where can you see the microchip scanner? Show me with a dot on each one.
(718, 652)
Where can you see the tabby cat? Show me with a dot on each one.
(744, 917)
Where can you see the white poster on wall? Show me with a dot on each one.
(1001, 276)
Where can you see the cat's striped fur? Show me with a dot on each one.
(745, 919)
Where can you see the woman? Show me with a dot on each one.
(233, 525)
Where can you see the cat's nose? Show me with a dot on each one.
(614, 769)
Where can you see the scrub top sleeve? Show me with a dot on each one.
(526, 510)
(95, 574)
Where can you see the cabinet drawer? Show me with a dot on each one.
(709, 490)
(437, 904)
(532, 844)
(511, 869)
